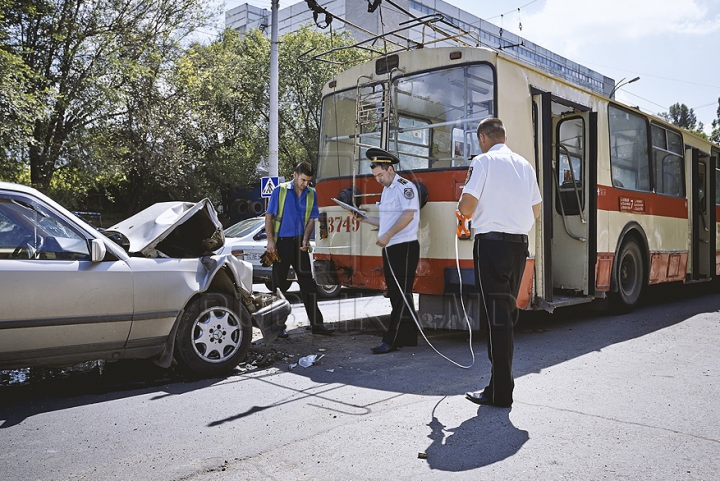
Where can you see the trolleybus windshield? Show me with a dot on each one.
(430, 119)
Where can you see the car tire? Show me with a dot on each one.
(284, 287)
(328, 291)
(214, 335)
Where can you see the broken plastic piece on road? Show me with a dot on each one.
(308, 361)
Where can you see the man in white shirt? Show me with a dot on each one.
(398, 224)
(502, 196)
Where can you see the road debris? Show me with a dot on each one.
(308, 361)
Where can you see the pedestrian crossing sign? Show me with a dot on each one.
(267, 185)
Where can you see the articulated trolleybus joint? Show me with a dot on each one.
(463, 227)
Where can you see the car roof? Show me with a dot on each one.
(20, 188)
(250, 223)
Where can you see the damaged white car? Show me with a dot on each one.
(70, 294)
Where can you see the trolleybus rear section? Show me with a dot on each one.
(628, 200)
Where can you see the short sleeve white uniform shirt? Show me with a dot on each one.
(506, 188)
(400, 196)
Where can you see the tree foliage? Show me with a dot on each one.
(301, 84)
(223, 90)
(715, 134)
(107, 97)
(18, 106)
(682, 116)
(90, 56)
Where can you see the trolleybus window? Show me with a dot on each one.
(450, 103)
(570, 154)
(629, 160)
(429, 119)
(337, 134)
(668, 164)
(412, 142)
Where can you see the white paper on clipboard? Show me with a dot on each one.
(351, 208)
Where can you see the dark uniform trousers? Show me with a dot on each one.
(288, 250)
(499, 267)
(403, 260)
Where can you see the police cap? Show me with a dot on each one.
(380, 156)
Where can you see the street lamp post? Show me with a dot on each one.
(273, 127)
(620, 84)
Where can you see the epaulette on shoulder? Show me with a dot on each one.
(402, 180)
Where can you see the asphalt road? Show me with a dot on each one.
(597, 397)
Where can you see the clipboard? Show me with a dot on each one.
(351, 208)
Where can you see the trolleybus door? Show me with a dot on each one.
(566, 247)
(542, 125)
(702, 216)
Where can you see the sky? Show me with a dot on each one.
(672, 45)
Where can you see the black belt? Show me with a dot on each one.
(502, 236)
(292, 237)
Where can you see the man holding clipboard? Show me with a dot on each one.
(398, 223)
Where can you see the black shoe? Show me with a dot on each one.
(322, 330)
(480, 398)
(383, 348)
(284, 334)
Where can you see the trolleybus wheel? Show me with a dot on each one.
(328, 291)
(630, 277)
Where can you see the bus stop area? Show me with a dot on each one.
(597, 397)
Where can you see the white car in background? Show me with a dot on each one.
(247, 240)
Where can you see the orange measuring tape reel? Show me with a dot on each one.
(463, 227)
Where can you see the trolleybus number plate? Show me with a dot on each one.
(342, 224)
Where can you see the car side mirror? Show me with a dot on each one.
(97, 250)
(260, 236)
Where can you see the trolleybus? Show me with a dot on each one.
(628, 199)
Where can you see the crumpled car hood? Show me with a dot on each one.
(171, 229)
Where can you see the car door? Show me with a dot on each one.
(58, 307)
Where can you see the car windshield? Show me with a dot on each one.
(245, 227)
(30, 231)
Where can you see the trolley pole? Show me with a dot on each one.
(273, 127)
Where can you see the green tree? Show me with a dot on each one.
(132, 114)
(90, 54)
(18, 108)
(715, 135)
(301, 84)
(682, 116)
(223, 90)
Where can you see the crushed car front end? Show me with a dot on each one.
(213, 331)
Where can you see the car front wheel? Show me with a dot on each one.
(214, 334)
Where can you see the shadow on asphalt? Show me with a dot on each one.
(479, 441)
(542, 340)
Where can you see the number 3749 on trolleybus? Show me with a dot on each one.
(628, 199)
